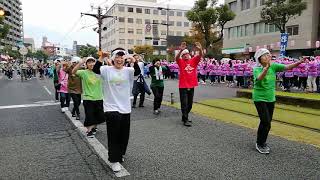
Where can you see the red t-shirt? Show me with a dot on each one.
(188, 72)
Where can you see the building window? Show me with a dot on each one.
(179, 33)
(122, 41)
(185, 14)
(186, 33)
(163, 12)
(121, 30)
(139, 42)
(164, 22)
(121, 9)
(163, 43)
(179, 13)
(171, 23)
(155, 21)
(130, 9)
(258, 28)
(246, 30)
(147, 21)
(139, 31)
(171, 13)
(139, 21)
(147, 11)
(293, 30)
(245, 4)
(121, 19)
(262, 2)
(233, 6)
(130, 30)
(155, 12)
(155, 43)
(179, 23)
(130, 20)
(186, 24)
(171, 33)
(139, 10)
(130, 41)
(163, 33)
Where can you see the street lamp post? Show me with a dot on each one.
(167, 24)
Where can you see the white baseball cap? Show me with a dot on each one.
(260, 52)
(185, 51)
(90, 58)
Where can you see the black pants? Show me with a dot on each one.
(140, 87)
(303, 82)
(186, 100)
(286, 82)
(158, 94)
(64, 100)
(76, 98)
(265, 111)
(56, 91)
(118, 130)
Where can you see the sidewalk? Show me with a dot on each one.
(161, 148)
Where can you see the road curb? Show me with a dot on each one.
(95, 145)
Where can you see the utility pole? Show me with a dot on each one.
(167, 24)
(100, 18)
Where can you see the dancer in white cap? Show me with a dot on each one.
(264, 74)
(117, 88)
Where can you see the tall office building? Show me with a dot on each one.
(246, 32)
(140, 22)
(15, 21)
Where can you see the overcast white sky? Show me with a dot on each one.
(60, 20)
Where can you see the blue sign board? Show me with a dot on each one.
(283, 44)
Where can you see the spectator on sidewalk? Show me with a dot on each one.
(264, 93)
(117, 88)
(187, 79)
(92, 95)
(157, 86)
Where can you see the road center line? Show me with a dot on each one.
(45, 87)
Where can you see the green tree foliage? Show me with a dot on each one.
(40, 55)
(279, 12)
(146, 50)
(88, 50)
(4, 28)
(207, 16)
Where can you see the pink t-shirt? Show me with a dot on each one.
(63, 79)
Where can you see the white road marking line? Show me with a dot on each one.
(97, 146)
(45, 87)
(29, 105)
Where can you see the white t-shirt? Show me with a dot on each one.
(141, 66)
(117, 87)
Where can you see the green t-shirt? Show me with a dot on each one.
(91, 85)
(264, 90)
(154, 81)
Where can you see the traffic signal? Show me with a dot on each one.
(4, 13)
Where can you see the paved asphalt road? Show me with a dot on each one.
(40, 143)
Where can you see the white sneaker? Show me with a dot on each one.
(66, 109)
(115, 166)
(63, 110)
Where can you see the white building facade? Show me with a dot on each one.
(140, 22)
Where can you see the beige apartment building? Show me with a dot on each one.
(246, 33)
(140, 22)
(15, 35)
